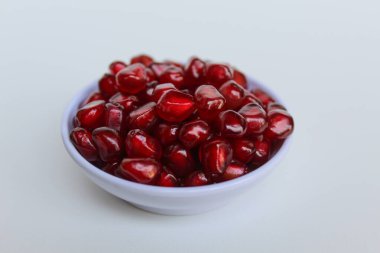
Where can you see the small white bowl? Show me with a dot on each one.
(166, 200)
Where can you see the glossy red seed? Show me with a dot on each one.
(264, 97)
(194, 133)
(240, 78)
(209, 101)
(143, 118)
(255, 116)
(243, 150)
(218, 74)
(108, 143)
(167, 134)
(132, 79)
(108, 85)
(233, 93)
(280, 125)
(91, 115)
(250, 98)
(175, 106)
(174, 63)
(173, 75)
(143, 59)
(197, 178)
(195, 72)
(116, 66)
(141, 170)
(216, 156)
(82, 140)
(234, 170)
(179, 160)
(151, 77)
(111, 168)
(274, 106)
(167, 179)
(115, 117)
(139, 144)
(160, 89)
(159, 67)
(128, 102)
(231, 124)
(262, 152)
(94, 96)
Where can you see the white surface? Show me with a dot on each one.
(168, 200)
(322, 57)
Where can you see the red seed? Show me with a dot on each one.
(141, 170)
(132, 79)
(158, 68)
(233, 93)
(263, 97)
(255, 116)
(231, 124)
(143, 118)
(167, 134)
(108, 143)
(139, 144)
(151, 77)
(83, 142)
(173, 75)
(250, 98)
(167, 179)
(195, 72)
(160, 89)
(234, 170)
(218, 74)
(209, 102)
(94, 96)
(91, 115)
(280, 125)
(143, 59)
(262, 152)
(111, 168)
(108, 85)
(116, 66)
(179, 160)
(274, 106)
(197, 178)
(243, 150)
(114, 117)
(175, 106)
(128, 102)
(174, 63)
(194, 133)
(216, 156)
(240, 78)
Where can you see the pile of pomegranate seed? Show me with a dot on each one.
(168, 124)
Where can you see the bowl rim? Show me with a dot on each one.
(169, 191)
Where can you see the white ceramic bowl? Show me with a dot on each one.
(166, 200)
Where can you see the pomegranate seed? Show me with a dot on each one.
(151, 77)
(179, 160)
(146, 95)
(173, 75)
(274, 106)
(94, 96)
(240, 78)
(116, 66)
(218, 74)
(139, 144)
(262, 152)
(114, 117)
(160, 89)
(280, 125)
(243, 150)
(143, 118)
(175, 106)
(91, 115)
(128, 102)
(263, 97)
(167, 179)
(132, 79)
(233, 93)
(193, 133)
(234, 170)
(250, 98)
(216, 155)
(159, 68)
(167, 134)
(174, 63)
(111, 168)
(108, 85)
(108, 143)
(255, 116)
(143, 59)
(231, 124)
(141, 170)
(197, 178)
(195, 71)
(82, 141)
(209, 102)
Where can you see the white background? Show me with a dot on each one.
(322, 57)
